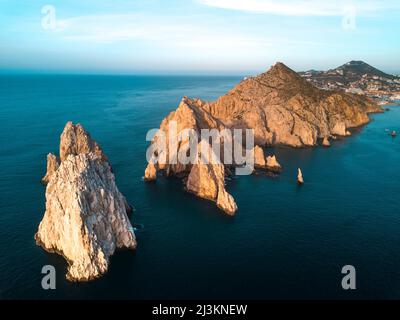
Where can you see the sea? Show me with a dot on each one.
(285, 242)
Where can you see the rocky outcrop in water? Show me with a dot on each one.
(300, 179)
(279, 106)
(150, 173)
(259, 157)
(283, 108)
(326, 143)
(269, 163)
(86, 215)
(207, 180)
(273, 165)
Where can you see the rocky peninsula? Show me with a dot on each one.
(86, 215)
(281, 108)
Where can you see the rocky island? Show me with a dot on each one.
(86, 215)
(280, 106)
(357, 77)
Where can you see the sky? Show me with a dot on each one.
(196, 36)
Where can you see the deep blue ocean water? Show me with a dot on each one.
(285, 241)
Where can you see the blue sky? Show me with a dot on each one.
(197, 36)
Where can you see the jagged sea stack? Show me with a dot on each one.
(207, 181)
(86, 215)
(273, 165)
(269, 163)
(300, 179)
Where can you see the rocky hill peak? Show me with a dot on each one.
(281, 71)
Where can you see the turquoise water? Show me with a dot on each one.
(285, 242)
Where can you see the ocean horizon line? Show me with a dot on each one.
(133, 74)
(148, 73)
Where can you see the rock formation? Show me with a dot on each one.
(273, 165)
(283, 108)
(150, 173)
(279, 106)
(326, 142)
(52, 165)
(86, 215)
(76, 140)
(259, 157)
(269, 163)
(207, 180)
(300, 179)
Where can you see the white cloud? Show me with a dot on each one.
(116, 27)
(302, 7)
(171, 32)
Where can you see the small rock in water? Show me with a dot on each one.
(259, 157)
(273, 165)
(326, 142)
(300, 179)
(151, 172)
